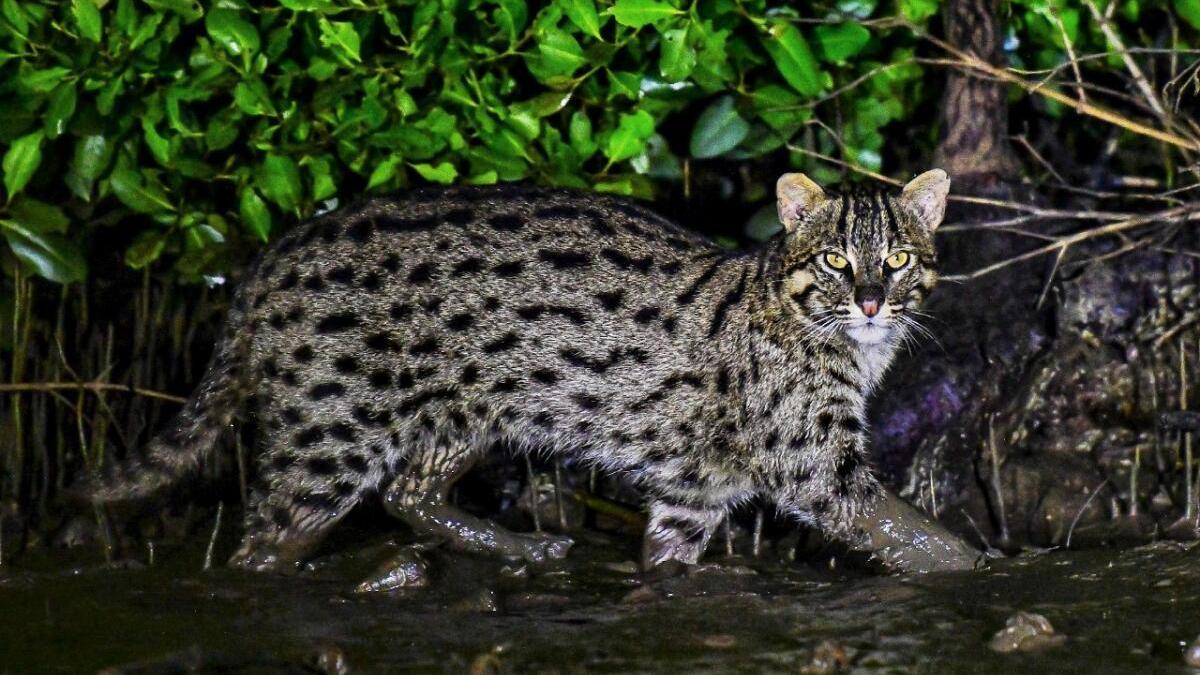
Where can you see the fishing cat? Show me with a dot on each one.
(391, 344)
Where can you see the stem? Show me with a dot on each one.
(94, 387)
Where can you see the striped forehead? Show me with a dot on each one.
(866, 221)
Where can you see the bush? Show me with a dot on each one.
(184, 130)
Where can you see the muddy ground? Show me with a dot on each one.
(1113, 611)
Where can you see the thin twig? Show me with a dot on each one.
(1079, 514)
(1181, 214)
(94, 387)
(1062, 30)
(558, 500)
(534, 498)
(996, 481)
(987, 545)
(1190, 506)
(1139, 78)
(971, 62)
(212, 540)
(728, 537)
(756, 540)
(1050, 278)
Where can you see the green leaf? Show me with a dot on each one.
(511, 17)
(764, 224)
(838, 42)
(256, 217)
(147, 248)
(252, 98)
(21, 161)
(718, 129)
(15, 15)
(87, 18)
(918, 11)
(384, 172)
(579, 131)
(1189, 11)
(107, 97)
(629, 138)
(658, 161)
(638, 13)
(91, 156)
(341, 38)
(279, 181)
(793, 58)
(321, 170)
(443, 173)
(52, 256)
(309, 5)
(858, 9)
(780, 108)
(59, 110)
(139, 192)
(583, 14)
(159, 146)
(228, 29)
(560, 51)
(42, 81)
(677, 58)
(189, 10)
(624, 84)
(39, 216)
(544, 104)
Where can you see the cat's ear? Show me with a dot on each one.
(795, 194)
(925, 197)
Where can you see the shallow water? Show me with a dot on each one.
(1127, 610)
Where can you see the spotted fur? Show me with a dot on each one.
(391, 343)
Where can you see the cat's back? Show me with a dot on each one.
(470, 272)
(449, 236)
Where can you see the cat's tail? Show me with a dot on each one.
(191, 437)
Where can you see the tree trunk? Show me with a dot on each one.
(974, 148)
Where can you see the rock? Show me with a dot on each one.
(640, 595)
(527, 601)
(516, 571)
(487, 663)
(827, 657)
(1025, 632)
(719, 641)
(627, 567)
(331, 660)
(485, 601)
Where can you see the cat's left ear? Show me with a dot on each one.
(925, 197)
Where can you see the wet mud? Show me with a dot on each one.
(1131, 610)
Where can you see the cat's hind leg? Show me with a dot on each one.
(418, 497)
(284, 525)
(310, 476)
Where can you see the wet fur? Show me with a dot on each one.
(392, 343)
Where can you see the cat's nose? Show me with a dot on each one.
(869, 299)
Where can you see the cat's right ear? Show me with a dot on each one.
(795, 194)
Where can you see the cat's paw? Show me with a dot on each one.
(542, 547)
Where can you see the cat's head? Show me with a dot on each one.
(859, 262)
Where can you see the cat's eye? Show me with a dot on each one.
(836, 261)
(897, 260)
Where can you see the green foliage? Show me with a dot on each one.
(185, 129)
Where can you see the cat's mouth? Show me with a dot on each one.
(869, 331)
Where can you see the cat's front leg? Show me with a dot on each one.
(906, 540)
(887, 527)
(678, 531)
